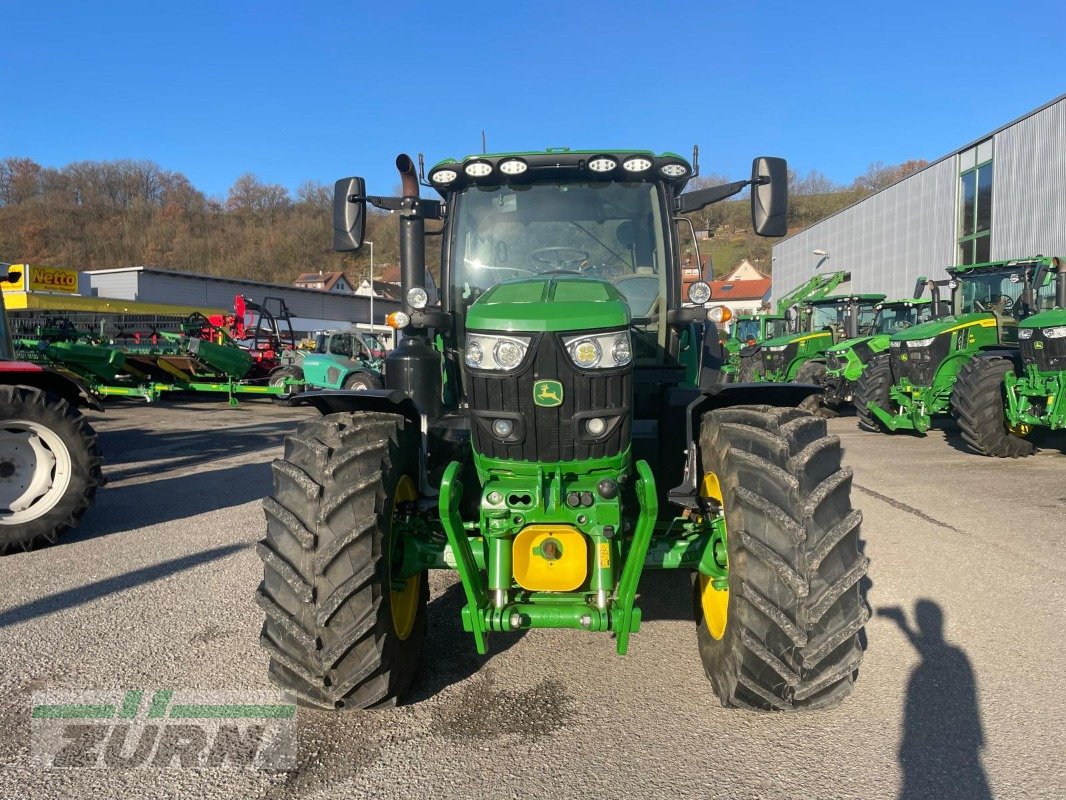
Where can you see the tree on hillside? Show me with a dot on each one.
(249, 194)
(879, 175)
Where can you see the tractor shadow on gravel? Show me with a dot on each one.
(940, 751)
(153, 502)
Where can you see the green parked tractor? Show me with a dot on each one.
(543, 433)
(801, 356)
(742, 347)
(846, 361)
(915, 380)
(1002, 395)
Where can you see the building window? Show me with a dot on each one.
(975, 204)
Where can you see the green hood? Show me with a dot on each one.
(847, 344)
(1045, 319)
(549, 303)
(935, 327)
(792, 338)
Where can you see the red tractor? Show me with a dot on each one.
(50, 462)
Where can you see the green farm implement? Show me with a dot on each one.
(928, 368)
(152, 366)
(543, 433)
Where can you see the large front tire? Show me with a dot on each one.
(978, 407)
(50, 467)
(340, 631)
(872, 387)
(790, 635)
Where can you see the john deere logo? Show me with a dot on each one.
(903, 357)
(1038, 345)
(548, 394)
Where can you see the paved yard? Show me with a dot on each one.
(155, 590)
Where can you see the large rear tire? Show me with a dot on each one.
(50, 467)
(790, 636)
(339, 631)
(872, 387)
(814, 372)
(977, 403)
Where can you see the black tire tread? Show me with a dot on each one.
(325, 590)
(977, 403)
(795, 610)
(872, 387)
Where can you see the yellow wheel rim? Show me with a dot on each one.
(405, 601)
(714, 602)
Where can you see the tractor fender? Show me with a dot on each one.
(336, 401)
(694, 403)
(14, 373)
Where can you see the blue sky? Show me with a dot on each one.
(313, 90)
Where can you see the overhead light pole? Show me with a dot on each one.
(371, 285)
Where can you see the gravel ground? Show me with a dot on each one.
(155, 590)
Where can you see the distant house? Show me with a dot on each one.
(382, 289)
(336, 282)
(745, 289)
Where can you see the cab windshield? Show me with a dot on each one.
(607, 230)
(892, 319)
(747, 329)
(997, 292)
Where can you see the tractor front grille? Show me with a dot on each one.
(1048, 355)
(551, 433)
(921, 363)
(773, 361)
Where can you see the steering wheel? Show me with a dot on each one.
(557, 256)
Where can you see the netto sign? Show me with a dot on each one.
(42, 279)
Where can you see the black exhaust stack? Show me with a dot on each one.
(414, 366)
(1060, 282)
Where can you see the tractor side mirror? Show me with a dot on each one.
(769, 196)
(349, 214)
(919, 286)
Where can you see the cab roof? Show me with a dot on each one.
(531, 166)
(828, 301)
(992, 266)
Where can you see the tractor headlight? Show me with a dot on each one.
(777, 348)
(478, 169)
(417, 297)
(1026, 333)
(500, 353)
(1058, 332)
(599, 350)
(913, 343)
(444, 176)
(513, 166)
(699, 293)
(602, 164)
(636, 164)
(895, 344)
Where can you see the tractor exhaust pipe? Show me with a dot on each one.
(414, 366)
(1060, 282)
(852, 330)
(412, 231)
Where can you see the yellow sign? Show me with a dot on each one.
(41, 279)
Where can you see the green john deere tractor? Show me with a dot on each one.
(914, 381)
(742, 347)
(846, 361)
(350, 359)
(543, 433)
(801, 356)
(746, 333)
(1002, 395)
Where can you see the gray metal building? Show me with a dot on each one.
(1001, 196)
(311, 308)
